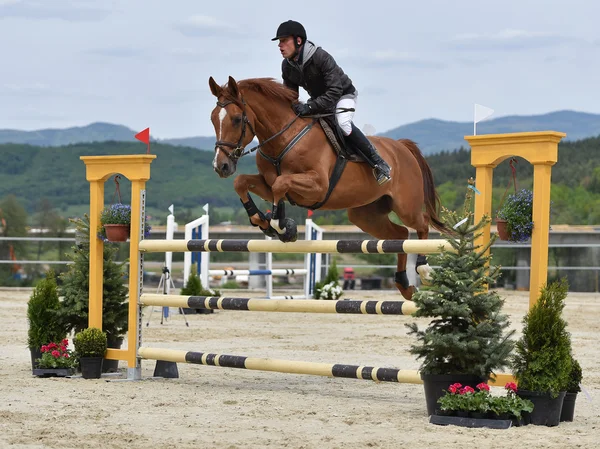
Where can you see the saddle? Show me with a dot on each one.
(337, 140)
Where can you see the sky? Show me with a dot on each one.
(147, 63)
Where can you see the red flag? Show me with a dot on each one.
(310, 213)
(144, 136)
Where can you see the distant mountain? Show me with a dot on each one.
(431, 135)
(94, 132)
(434, 136)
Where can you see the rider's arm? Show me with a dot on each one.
(332, 79)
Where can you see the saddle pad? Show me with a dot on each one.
(338, 142)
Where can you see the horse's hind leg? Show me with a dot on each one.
(373, 219)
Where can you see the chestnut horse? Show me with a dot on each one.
(295, 162)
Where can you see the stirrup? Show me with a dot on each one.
(381, 176)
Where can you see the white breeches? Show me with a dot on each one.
(344, 119)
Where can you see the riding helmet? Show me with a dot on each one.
(291, 28)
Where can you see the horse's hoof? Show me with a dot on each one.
(290, 233)
(407, 293)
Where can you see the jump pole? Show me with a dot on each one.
(301, 246)
(283, 366)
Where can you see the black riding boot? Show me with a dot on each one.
(381, 170)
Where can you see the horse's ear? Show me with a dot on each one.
(233, 87)
(214, 87)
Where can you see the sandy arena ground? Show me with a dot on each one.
(211, 407)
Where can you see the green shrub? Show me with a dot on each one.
(575, 377)
(42, 309)
(90, 342)
(542, 360)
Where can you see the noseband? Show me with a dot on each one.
(237, 150)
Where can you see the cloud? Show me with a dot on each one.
(508, 40)
(207, 26)
(392, 58)
(116, 52)
(69, 10)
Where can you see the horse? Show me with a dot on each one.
(296, 162)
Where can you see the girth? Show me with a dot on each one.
(338, 169)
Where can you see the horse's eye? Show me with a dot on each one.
(236, 120)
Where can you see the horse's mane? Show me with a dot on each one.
(268, 87)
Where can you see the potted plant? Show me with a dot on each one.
(74, 291)
(193, 287)
(329, 288)
(90, 346)
(44, 325)
(56, 360)
(115, 223)
(514, 218)
(575, 376)
(542, 361)
(467, 338)
(464, 401)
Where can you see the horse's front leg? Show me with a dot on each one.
(243, 185)
(307, 185)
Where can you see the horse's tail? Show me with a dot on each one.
(432, 200)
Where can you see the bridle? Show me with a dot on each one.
(237, 150)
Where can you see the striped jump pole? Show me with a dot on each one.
(273, 272)
(366, 307)
(283, 366)
(302, 246)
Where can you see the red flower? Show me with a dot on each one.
(52, 346)
(466, 390)
(55, 354)
(511, 386)
(483, 386)
(65, 355)
(452, 389)
(63, 348)
(44, 348)
(65, 342)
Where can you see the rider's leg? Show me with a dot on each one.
(381, 170)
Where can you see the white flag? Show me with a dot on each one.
(481, 112)
(205, 208)
(171, 208)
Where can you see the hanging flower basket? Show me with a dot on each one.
(117, 232)
(517, 212)
(501, 227)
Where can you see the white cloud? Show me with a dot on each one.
(69, 10)
(207, 26)
(508, 40)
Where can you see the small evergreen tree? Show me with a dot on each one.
(75, 288)
(467, 334)
(42, 308)
(542, 360)
(193, 287)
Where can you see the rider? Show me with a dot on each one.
(311, 67)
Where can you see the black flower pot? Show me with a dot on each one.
(568, 408)
(436, 384)
(36, 353)
(546, 409)
(91, 367)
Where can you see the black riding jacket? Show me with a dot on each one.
(317, 72)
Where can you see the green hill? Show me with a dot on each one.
(431, 135)
(184, 176)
